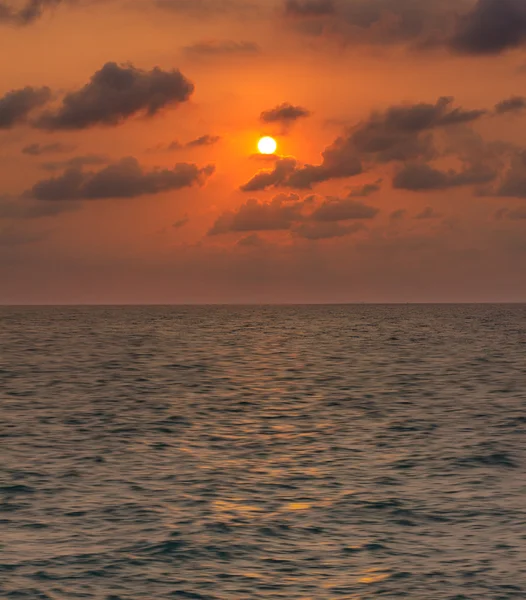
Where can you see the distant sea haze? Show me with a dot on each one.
(250, 453)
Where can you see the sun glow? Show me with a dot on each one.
(267, 145)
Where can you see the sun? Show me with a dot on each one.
(267, 145)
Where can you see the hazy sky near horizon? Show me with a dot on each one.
(129, 170)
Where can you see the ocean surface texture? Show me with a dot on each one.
(244, 453)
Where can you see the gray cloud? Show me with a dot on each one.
(181, 223)
(422, 177)
(259, 216)
(23, 208)
(346, 209)
(366, 190)
(17, 105)
(311, 218)
(491, 27)
(52, 148)
(208, 8)
(513, 184)
(77, 162)
(324, 230)
(116, 93)
(398, 215)
(175, 146)
(123, 179)
(513, 104)
(309, 8)
(204, 140)
(222, 48)
(428, 213)
(460, 26)
(265, 179)
(285, 113)
(30, 11)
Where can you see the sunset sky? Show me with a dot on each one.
(129, 164)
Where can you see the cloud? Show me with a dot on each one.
(309, 8)
(428, 213)
(284, 113)
(123, 179)
(40, 149)
(366, 190)
(513, 184)
(276, 215)
(116, 93)
(24, 208)
(491, 27)
(207, 8)
(252, 241)
(181, 223)
(14, 237)
(422, 177)
(513, 104)
(222, 48)
(204, 140)
(16, 105)
(346, 209)
(265, 179)
(30, 11)
(399, 134)
(459, 26)
(324, 230)
(175, 146)
(77, 162)
(311, 217)
(398, 214)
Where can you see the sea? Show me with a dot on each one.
(263, 452)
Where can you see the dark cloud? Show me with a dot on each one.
(373, 21)
(175, 146)
(491, 27)
(283, 168)
(116, 93)
(222, 48)
(30, 11)
(423, 177)
(181, 223)
(77, 162)
(518, 214)
(309, 8)
(259, 216)
(204, 140)
(14, 237)
(460, 26)
(366, 190)
(339, 161)
(513, 184)
(346, 209)
(123, 179)
(23, 208)
(208, 8)
(398, 215)
(393, 134)
(285, 113)
(16, 106)
(252, 241)
(53, 148)
(324, 230)
(513, 104)
(428, 213)
(311, 218)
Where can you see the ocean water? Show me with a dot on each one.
(243, 453)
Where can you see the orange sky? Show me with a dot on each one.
(128, 131)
